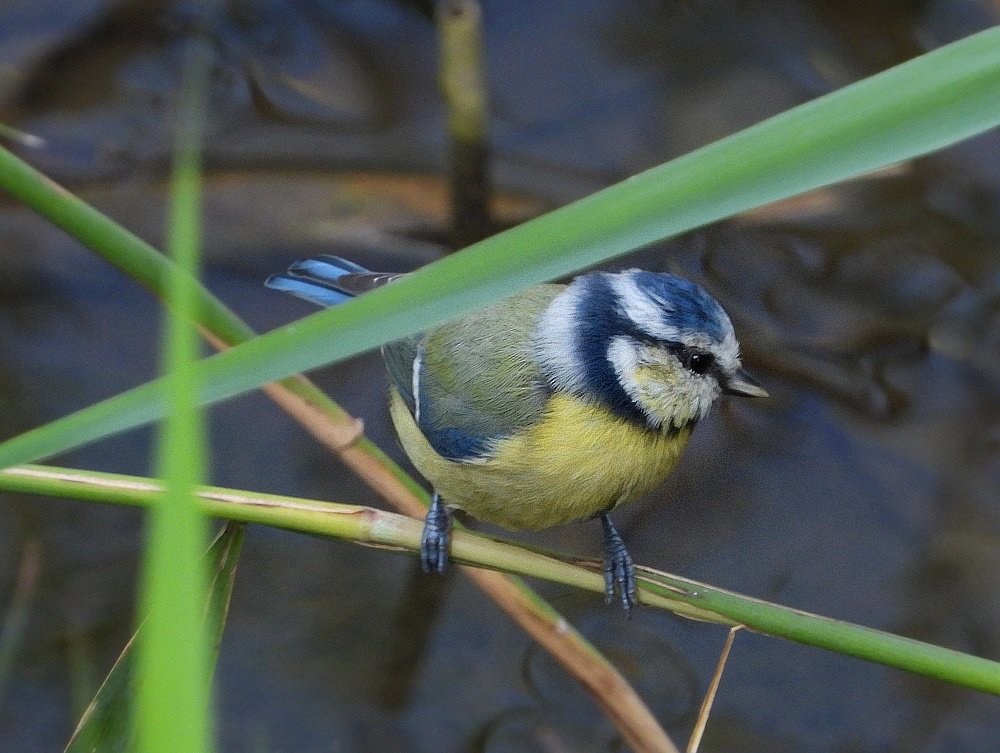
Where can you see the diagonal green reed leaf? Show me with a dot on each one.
(131, 254)
(925, 104)
(104, 728)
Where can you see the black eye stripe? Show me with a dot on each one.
(696, 361)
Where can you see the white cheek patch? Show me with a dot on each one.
(555, 341)
(624, 358)
(644, 310)
(703, 393)
(665, 403)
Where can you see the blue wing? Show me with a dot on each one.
(328, 280)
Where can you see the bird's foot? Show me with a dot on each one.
(436, 540)
(619, 570)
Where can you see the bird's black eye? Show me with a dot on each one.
(699, 363)
(693, 361)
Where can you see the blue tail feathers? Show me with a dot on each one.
(317, 279)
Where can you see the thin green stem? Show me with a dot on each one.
(387, 530)
(463, 84)
(122, 248)
(173, 710)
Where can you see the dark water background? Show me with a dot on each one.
(865, 489)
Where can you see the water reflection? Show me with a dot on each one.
(864, 489)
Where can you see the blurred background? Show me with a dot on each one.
(865, 488)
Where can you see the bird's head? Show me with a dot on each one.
(651, 347)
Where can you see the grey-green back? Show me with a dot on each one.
(478, 381)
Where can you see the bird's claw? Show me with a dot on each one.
(619, 569)
(436, 539)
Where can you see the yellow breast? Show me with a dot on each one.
(578, 461)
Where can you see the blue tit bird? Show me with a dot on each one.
(555, 405)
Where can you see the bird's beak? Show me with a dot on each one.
(744, 385)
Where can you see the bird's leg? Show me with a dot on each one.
(436, 540)
(619, 570)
